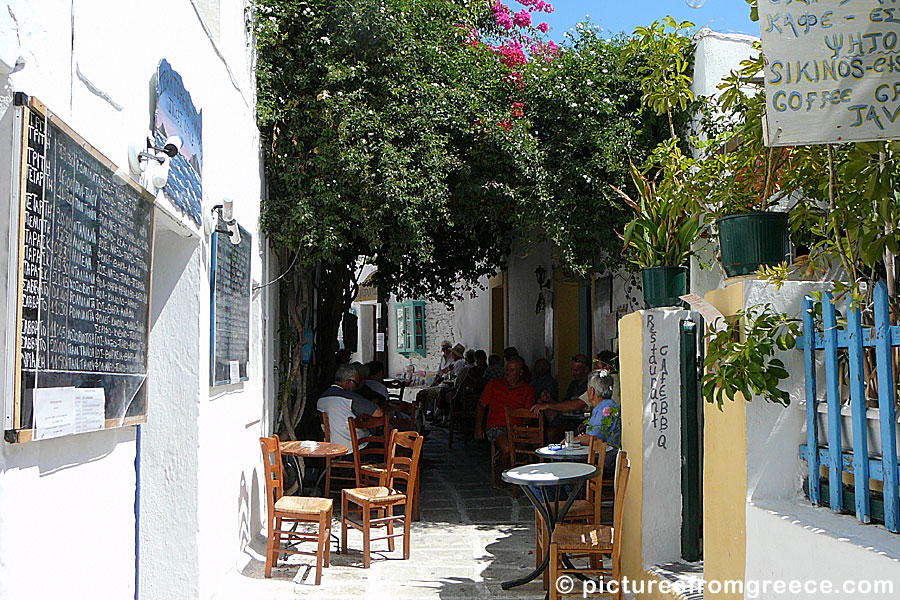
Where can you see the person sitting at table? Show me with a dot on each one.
(427, 397)
(600, 396)
(543, 382)
(341, 401)
(495, 368)
(510, 392)
(511, 353)
(436, 404)
(580, 367)
(374, 388)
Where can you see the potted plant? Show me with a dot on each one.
(658, 238)
(738, 180)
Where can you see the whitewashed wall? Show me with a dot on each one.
(716, 55)
(813, 543)
(92, 63)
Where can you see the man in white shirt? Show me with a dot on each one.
(340, 402)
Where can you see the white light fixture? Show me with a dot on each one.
(225, 212)
(152, 160)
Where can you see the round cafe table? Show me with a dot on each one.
(544, 476)
(311, 449)
(579, 453)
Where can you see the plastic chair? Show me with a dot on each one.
(383, 498)
(594, 540)
(345, 467)
(292, 509)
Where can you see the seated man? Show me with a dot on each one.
(510, 391)
(511, 353)
(545, 387)
(427, 397)
(340, 402)
(580, 367)
(374, 388)
(495, 368)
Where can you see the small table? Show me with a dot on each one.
(571, 454)
(543, 476)
(306, 449)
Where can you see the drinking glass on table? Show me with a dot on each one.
(570, 435)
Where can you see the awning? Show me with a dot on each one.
(367, 291)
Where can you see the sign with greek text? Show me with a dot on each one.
(85, 243)
(832, 70)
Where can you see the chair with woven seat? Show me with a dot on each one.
(593, 540)
(292, 509)
(581, 510)
(385, 497)
(370, 453)
(526, 434)
(403, 414)
(342, 470)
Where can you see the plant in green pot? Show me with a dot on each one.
(658, 238)
(738, 180)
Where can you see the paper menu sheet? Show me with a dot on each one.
(234, 371)
(68, 410)
(713, 317)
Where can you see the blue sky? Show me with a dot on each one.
(625, 15)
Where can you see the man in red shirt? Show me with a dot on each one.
(510, 391)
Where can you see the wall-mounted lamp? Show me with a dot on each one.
(154, 160)
(225, 213)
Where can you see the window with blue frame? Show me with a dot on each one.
(410, 321)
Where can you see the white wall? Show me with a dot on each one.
(813, 543)
(716, 55)
(92, 63)
(526, 328)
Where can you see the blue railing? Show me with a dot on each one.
(883, 337)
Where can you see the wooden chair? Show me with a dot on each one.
(524, 439)
(404, 418)
(594, 540)
(292, 509)
(369, 472)
(585, 510)
(383, 498)
(341, 470)
(463, 409)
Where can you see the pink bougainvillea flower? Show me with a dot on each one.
(507, 125)
(605, 411)
(522, 18)
(518, 109)
(543, 27)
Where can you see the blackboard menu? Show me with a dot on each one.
(230, 308)
(85, 242)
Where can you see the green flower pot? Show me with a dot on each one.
(753, 240)
(663, 285)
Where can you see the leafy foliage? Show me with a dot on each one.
(740, 357)
(662, 230)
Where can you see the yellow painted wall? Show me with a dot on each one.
(565, 330)
(725, 475)
(632, 386)
(499, 314)
(631, 330)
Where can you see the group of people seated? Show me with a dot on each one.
(498, 382)
(591, 390)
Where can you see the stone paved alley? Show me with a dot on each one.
(470, 539)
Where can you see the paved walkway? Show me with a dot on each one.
(470, 539)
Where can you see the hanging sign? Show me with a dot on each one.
(832, 70)
(176, 115)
